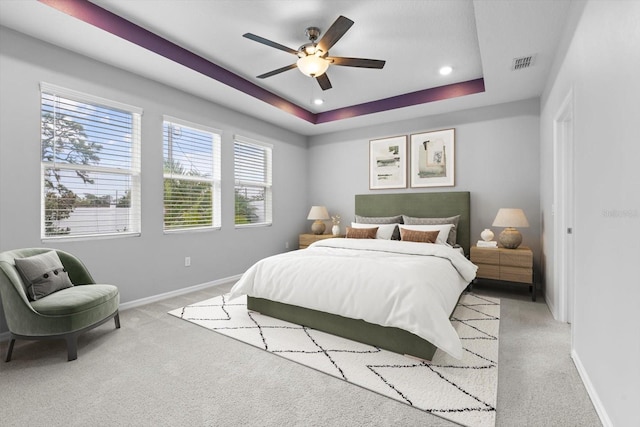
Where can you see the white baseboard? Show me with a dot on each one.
(595, 399)
(6, 336)
(552, 308)
(178, 292)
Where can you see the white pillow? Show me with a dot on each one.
(385, 231)
(442, 228)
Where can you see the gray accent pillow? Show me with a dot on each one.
(382, 220)
(453, 233)
(43, 274)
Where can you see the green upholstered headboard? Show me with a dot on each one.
(425, 205)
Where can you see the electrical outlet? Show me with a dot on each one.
(187, 261)
(286, 245)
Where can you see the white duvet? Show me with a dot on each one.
(407, 285)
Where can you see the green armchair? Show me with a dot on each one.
(64, 314)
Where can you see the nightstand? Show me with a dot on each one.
(305, 240)
(508, 265)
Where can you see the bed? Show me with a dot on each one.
(322, 265)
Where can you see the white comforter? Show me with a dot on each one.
(411, 286)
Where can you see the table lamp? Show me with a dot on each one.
(510, 238)
(319, 214)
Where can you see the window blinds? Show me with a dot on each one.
(191, 176)
(253, 188)
(90, 165)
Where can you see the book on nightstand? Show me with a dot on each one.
(489, 244)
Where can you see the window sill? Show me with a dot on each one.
(90, 237)
(191, 230)
(257, 225)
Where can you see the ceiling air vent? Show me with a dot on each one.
(522, 62)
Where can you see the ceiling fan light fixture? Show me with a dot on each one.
(312, 65)
(313, 57)
(310, 49)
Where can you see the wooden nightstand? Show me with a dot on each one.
(305, 240)
(509, 265)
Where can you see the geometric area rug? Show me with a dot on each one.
(463, 391)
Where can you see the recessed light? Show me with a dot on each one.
(318, 101)
(446, 70)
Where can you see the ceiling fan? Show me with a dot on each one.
(313, 57)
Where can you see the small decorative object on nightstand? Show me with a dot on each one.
(487, 244)
(510, 238)
(486, 235)
(486, 241)
(319, 214)
(335, 230)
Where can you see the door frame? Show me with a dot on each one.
(564, 208)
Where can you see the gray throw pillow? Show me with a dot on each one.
(382, 220)
(43, 274)
(453, 233)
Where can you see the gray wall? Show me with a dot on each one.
(153, 263)
(600, 69)
(496, 159)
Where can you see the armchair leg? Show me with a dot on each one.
(72, 347)
(71, 338)
(10, 350)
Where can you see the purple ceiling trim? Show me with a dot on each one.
(116, 25)
(406, 100)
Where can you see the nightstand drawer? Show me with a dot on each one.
(488, 271)
(485, 255)
(516, 258)
(516, 274)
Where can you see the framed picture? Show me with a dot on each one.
(388, 163)
(432, 159)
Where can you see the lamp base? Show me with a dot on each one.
(318, 227)
(510, 238)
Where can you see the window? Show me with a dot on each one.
(191, 176)
(90, 163)
(252, 164)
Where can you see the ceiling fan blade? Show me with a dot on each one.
(269, 43)
(334, 33)
(323, 81)
(357, 62)
(278, 71)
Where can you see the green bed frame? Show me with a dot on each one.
(432, 205)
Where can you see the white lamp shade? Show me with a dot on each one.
(508, 217)
(318, 212)
(312, 65)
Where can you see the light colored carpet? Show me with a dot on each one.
(463, 391)
(158, 370)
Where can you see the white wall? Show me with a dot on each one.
(153, 263)
(601, 68)
(496, 159)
